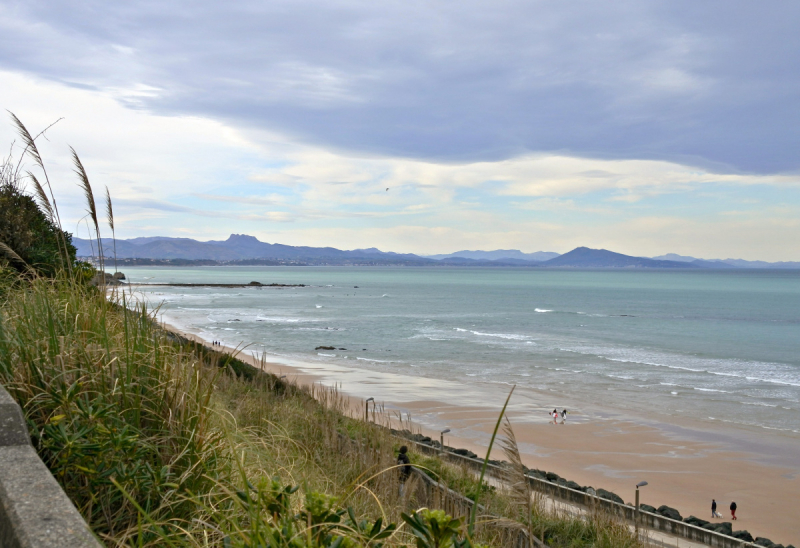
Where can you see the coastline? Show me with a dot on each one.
(686, 466)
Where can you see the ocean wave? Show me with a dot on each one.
(326, 355)
(318, 305)
(507, 336)
(371, 360)
(541, 310)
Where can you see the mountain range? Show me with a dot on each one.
(242, 249)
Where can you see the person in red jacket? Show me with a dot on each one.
(733, 510)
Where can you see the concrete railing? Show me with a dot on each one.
(34, 510)
(590, 502)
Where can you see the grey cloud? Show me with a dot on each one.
(706, 83)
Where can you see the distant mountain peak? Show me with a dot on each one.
(242, 239)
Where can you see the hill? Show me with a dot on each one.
(583, 257)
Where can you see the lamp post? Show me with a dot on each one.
(441, 439)
(366, 409)
(636, 515)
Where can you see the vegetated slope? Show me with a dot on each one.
(583, 257)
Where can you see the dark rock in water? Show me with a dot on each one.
(325, 348)
(763, 541)
(355, 287)
(342, 349)
(743, 535)
(724, 528)
(691, 520)
(552, 476)
(574, 485)
(647, 508)
(608, 495)
(668, 512)
(255, 283)
(119, 276)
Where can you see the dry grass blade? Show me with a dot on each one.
(109, 211)
(11, 254)
(516, 479)
(80, 171)
(27, 140)
(83, 178)
(43, 201)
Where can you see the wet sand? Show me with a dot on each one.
(686, 465)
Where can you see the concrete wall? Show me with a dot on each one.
(647, 520)
(34, 510)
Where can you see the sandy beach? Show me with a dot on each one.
(686, 466)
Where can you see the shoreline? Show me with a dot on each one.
(686, 466)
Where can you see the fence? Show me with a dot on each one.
(647, 520)
(34, 510)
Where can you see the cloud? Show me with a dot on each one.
(699, 83)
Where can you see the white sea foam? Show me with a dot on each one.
(541, 310)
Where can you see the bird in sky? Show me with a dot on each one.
(387, 189)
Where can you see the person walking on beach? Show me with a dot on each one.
(714, 513)
(733, 510)
(563, 416)
(405, 467)
(554, 414)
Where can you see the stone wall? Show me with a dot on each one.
(34, 510)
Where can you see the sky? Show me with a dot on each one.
(643, 127)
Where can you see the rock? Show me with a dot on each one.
(668, 512)
(574, 485)
(104, 279)
(743, 535)
(465, 453)
(255, 283)
(691, 520)
(119, 276)
(342, 349)
(561, 481)
(325, 348)
(724, 528)
(647, 508)
(608, 495)
(552, 476)
(763, 541)
(537, 475)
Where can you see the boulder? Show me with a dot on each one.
(574, 485)
(562, 482)
(255, 283)
(465, 453)
(104, 279)
(647, 508)
(725, 528)
(119, 276)
(608, 495)
(763, 541)
(551, 476)
(325, 348)
(743, 535)
(691, 520)
(668, 512)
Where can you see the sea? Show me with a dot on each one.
(719, 347)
